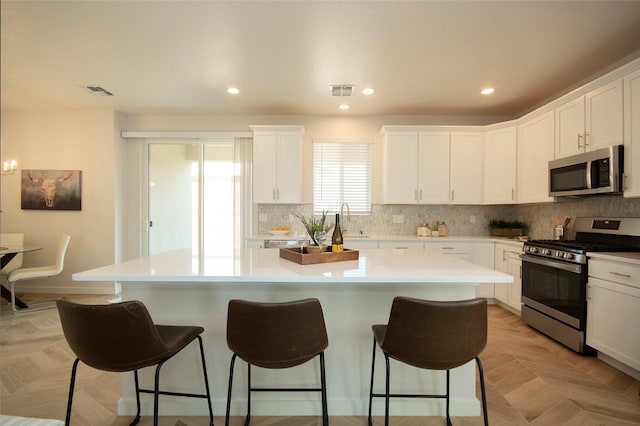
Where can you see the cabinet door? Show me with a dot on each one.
(603, 115)
(632, 135)
(515, 288)
(401, 245)
(289, 168)
(467, 153)
(401, 167)
(501, 291)
(614, 313)
(535, 149)
(433, 167)
(570, 127)
(500, 166)
(265, 146)
(483, 254)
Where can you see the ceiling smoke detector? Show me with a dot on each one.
(341, 89)
(97, 90)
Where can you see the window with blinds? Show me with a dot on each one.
(342, 174)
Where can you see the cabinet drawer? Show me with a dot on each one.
(615, 272)
(448, 247)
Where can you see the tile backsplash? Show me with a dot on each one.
(461, 220)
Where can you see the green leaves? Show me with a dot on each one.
(313, 224)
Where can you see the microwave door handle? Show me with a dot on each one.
(589, 174)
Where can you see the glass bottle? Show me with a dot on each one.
(442, 229)
(337, 244)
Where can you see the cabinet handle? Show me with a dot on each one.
(278, 192)
(421, 195)
(448, 248)
(273, 194)
(579, 137)
(618, 274)
(585, 139)
(453, 195)
(513, 194)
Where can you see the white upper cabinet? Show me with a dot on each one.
(534, 150)
(467, 154)
(416, 167)
(277, 164)
(632, 135)
(591, 121)
(433, 167)
(500, 166)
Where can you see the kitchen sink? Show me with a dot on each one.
(355, 236)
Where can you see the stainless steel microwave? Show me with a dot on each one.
(589, 173)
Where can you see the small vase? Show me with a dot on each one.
(313, 249)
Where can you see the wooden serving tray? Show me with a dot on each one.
(294, 255)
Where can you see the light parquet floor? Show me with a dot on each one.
(531, 380)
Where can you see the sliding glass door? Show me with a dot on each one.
(196, 195)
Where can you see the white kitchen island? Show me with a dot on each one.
(181, 287)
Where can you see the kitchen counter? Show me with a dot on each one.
(182, 288)
(347, 237)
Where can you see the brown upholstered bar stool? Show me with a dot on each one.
(276, 335)
(122, 337)
(434, 336)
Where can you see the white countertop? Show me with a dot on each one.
(352, 237)
(631, 258)
(265, 265)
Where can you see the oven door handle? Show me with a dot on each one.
(569, 267)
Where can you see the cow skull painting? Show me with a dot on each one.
(51, 189)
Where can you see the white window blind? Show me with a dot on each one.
(342, 174)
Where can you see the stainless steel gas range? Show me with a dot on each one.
(554, 276)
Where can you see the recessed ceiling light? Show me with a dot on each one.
(233, 90)
(344, 107)
(487, 91)
(368, 91)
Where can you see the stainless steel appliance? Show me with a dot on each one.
(593, 172)
(554, 276)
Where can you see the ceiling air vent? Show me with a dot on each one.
(341, 89)
(97, 90)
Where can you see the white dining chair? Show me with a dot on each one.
(34, 272)
(12, 240)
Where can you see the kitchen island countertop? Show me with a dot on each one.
(265, 265)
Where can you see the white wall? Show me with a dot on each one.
(52, 140)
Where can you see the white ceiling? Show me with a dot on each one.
(422, 57)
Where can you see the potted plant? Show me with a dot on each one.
(314, 226)
(505, 228)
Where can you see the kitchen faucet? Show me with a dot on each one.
(342, 215)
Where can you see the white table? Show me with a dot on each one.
(182, 288)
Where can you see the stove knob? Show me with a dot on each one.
(533, 250)
(568, 256)
(558, 254)
(546, 251)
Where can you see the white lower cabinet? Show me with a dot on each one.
(507, 260)
(483, 254)
(401, 245)
(613, 310)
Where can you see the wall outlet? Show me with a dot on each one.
(472, 219)
(262, 217)
(398, 218)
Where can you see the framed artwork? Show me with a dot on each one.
(51, 190)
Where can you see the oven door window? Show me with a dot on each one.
(557, 289)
